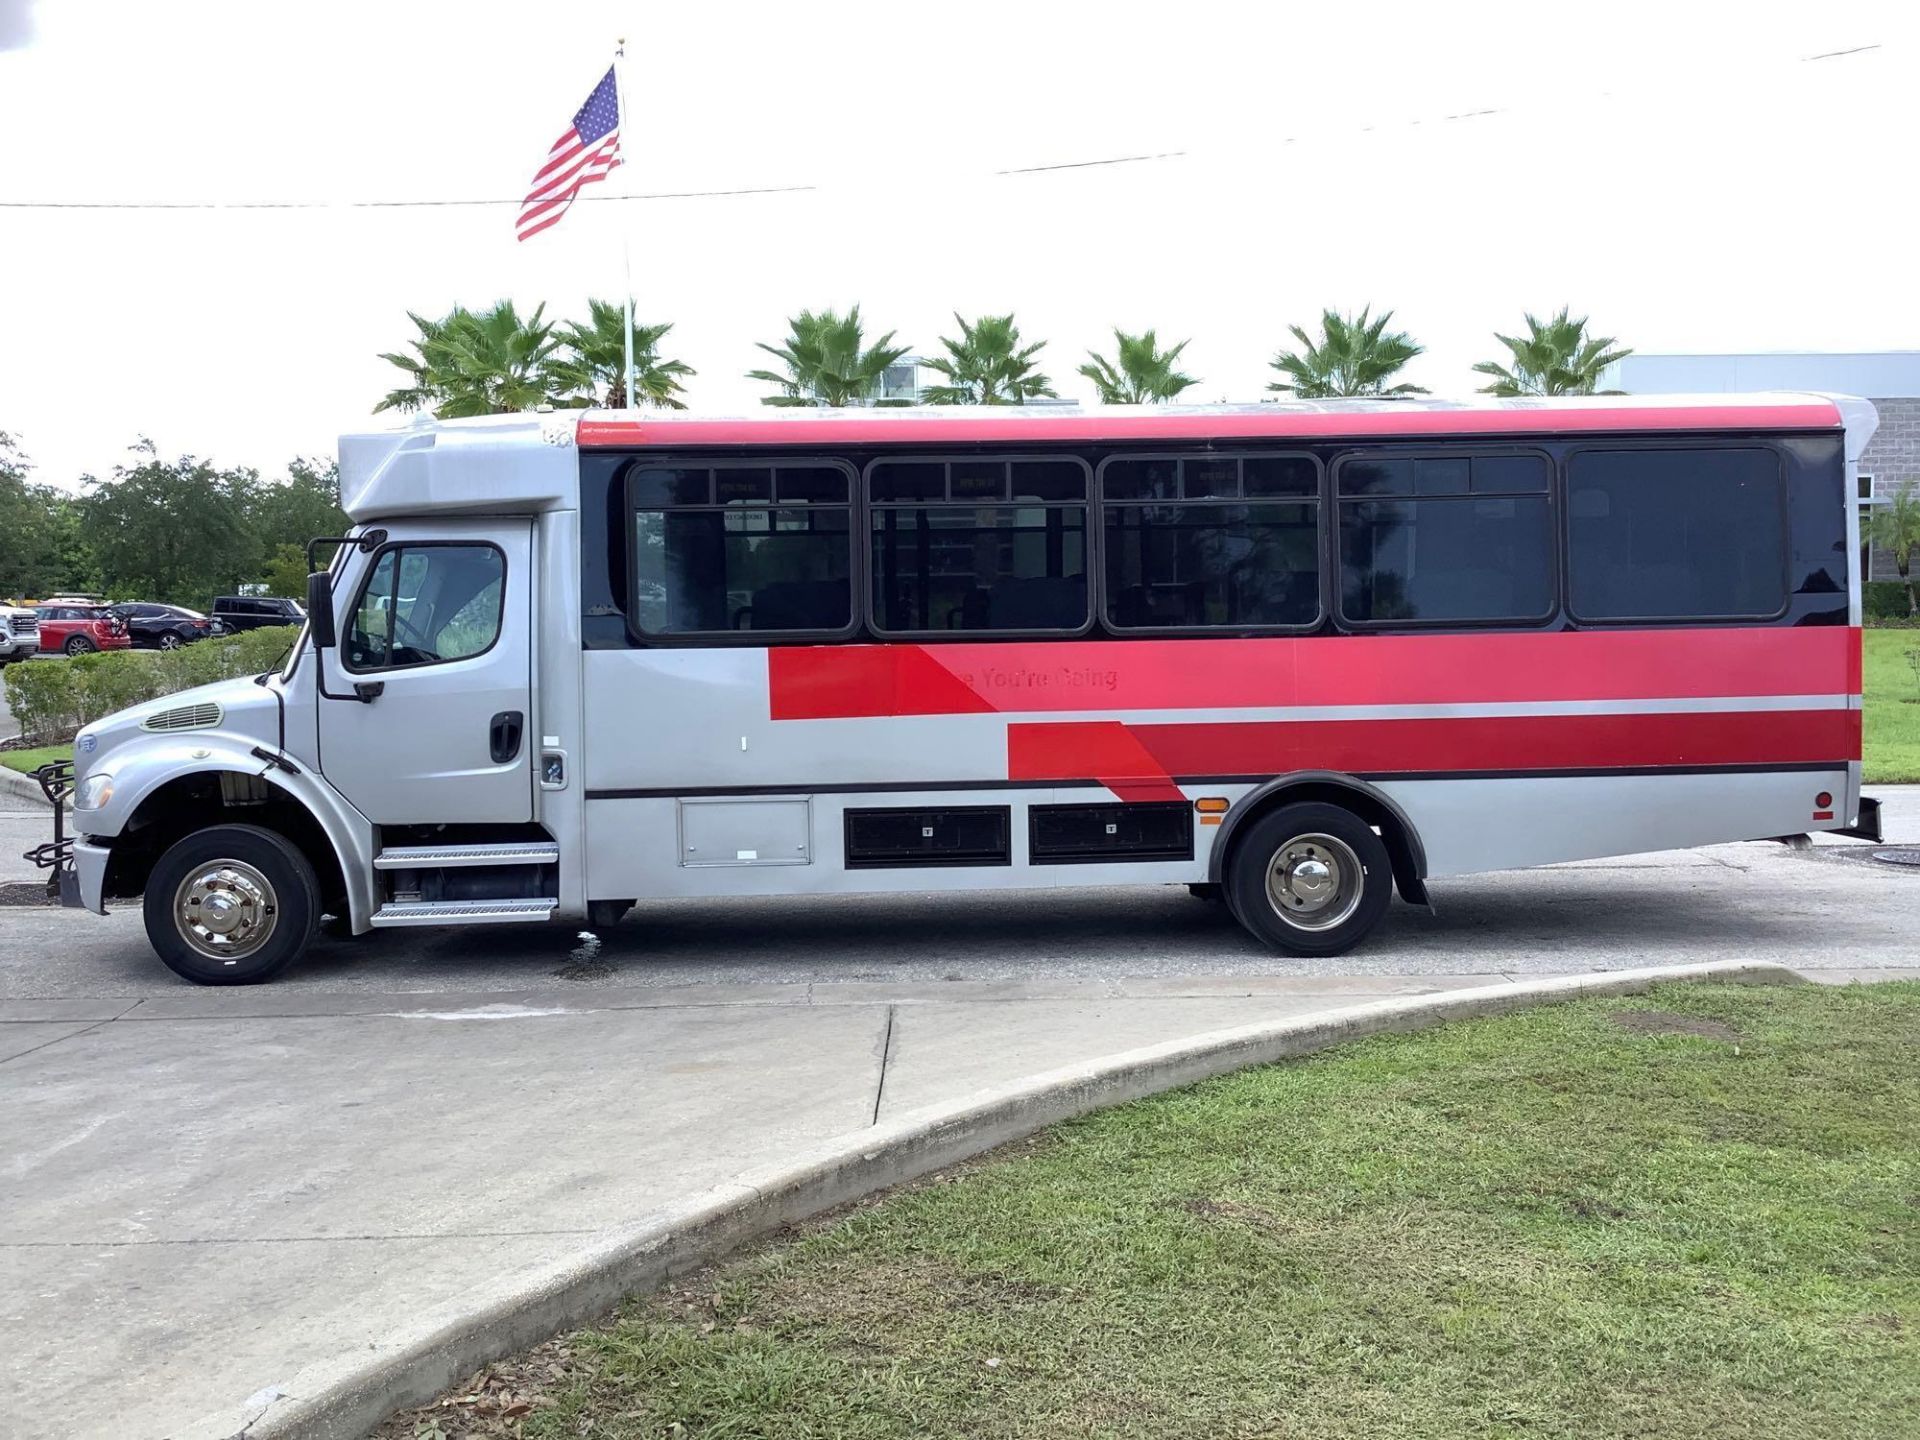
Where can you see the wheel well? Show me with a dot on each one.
(1404, 850)
(219, 797)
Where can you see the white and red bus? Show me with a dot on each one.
(1301, 656)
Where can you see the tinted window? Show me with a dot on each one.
(1199, 555)
(1212, 565)
(950, 553)
(1675, 534)
(422, 604)
(747, 548)
(1450, 538)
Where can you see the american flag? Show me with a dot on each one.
(587, 152)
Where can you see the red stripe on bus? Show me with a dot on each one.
(1102, 750)
(820, 682)
(606, 431)
(1516, 743)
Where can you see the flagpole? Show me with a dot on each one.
(626, 241)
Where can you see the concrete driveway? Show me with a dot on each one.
(203, 1191)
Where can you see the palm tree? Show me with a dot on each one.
(1140, 373)
(1895, 528)
(479, 362)
(596, 368)
(1557, 358)
(828, 362)
(987, 365)
(1354, 355)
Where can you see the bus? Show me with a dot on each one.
(1299, 657)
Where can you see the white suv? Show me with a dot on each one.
(19, 634)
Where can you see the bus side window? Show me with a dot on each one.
(1459, 538)
(1686, 534)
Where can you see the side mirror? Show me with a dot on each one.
(320, 610)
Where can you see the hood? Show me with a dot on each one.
(236, 709)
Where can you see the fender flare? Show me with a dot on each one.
(138, 776)
(1410, 871)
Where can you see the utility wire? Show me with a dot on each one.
(616, 199)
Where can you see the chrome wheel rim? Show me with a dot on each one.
(1314, 882)
(169, 642)
(226, 910)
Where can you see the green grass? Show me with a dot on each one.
(1891, 744)
(1544, 1225)
(28, 761)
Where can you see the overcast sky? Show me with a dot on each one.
(1684, 172)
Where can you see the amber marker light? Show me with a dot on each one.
(1211, 808)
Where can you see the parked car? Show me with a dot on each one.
(163, 627)
(19, 634)
(257, 612)
(77, 629)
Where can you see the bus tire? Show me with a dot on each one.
(231, 905)
(1311, 879)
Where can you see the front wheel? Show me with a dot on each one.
(78, 645)
(231, 905)
(1311, 878)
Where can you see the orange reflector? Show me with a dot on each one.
(1211, 805)
(1211, 819)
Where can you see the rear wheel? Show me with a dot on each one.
(79, 645)
(231, 905)
(1311, 878)
(171, 641)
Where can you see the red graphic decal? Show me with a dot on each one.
(843, 681)
(1277, 423)
(1103, 750)
(1556, 742)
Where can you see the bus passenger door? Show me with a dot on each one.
(426, 709)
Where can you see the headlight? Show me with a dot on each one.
(96, 790)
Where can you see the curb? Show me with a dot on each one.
(15, 786)
(343, 1398)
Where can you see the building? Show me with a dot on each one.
(1889, 378)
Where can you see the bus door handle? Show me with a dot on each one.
(504, 734)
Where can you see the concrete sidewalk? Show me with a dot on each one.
(207, 1191)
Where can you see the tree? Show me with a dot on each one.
(987, 365)
(172, 530)
(596, 366)
(1355, 355)
(42, 543)
(1895, 528)
(1141, 373)
(828, 362)
(286, 572)
(480, 362)
(1557, 358)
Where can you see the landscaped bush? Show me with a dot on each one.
(1884, 600)
(53, 698)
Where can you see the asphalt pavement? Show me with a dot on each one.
(206, 1193)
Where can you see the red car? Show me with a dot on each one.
(78, 629)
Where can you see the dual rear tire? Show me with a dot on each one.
(1310, 879)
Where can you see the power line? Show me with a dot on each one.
(698, 194)
(372, 204)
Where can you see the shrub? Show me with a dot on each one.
(1883, 600)
(53, 698)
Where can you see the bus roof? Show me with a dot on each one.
(1286, 420)
(526, 462)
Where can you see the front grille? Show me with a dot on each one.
(23, 624)
(184, 717)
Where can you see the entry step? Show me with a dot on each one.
(462, 912)
(442, 857)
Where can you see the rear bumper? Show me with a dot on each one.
(1867, 825)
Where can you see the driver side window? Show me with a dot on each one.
(426, 604)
